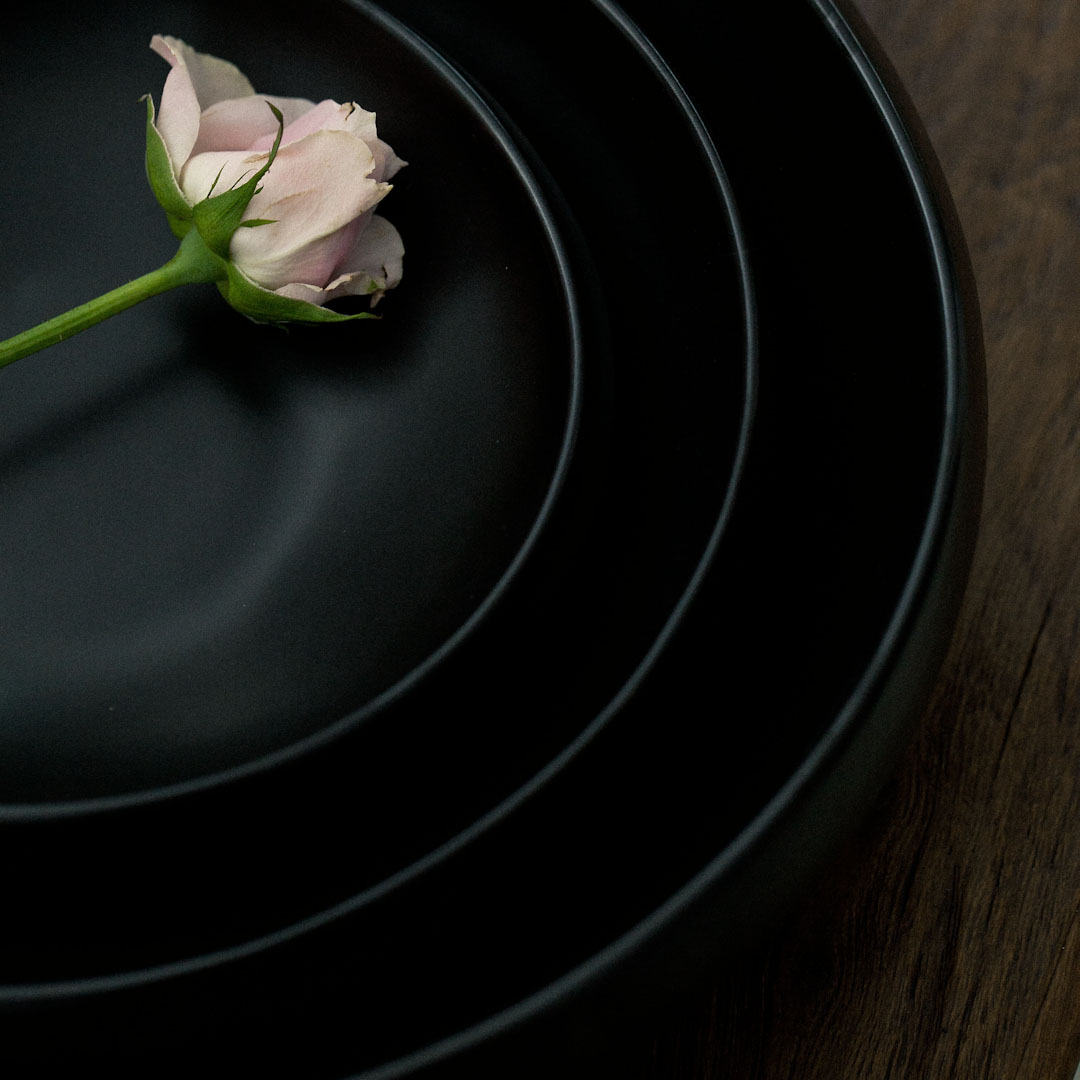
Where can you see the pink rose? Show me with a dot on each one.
(324, 239)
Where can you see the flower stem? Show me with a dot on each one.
(192, 263)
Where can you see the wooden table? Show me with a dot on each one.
(946, 941)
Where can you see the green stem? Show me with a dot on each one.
(192, 263)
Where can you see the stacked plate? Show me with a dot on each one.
(388, 698)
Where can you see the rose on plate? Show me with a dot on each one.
(273, 199)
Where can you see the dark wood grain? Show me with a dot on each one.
(946, 941)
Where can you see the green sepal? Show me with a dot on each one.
(162, 176)
(265, 306)
(179, 226)
(217, 217)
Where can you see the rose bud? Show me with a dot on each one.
(282, 189)
(272, 198)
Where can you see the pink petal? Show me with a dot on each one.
(387, 163)
(316, 187)
(330, 116)
(196, 82)
(377, 252)
(241, 123)
(361, 123)
(374, 265)
(220, 170)
(321, 117)
(178, 114)
(212, 78)
(297, 290)
(312, 261)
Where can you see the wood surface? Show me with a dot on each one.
(945, 943)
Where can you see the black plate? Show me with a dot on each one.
(693, 684)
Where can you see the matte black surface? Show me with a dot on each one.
(741, 690)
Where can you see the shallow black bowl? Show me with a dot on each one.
(721, 636)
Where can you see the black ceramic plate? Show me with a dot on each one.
(695, 679)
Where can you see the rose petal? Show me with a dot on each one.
(196, 82)
(219, 170)
(311, 261)
(390, 164)
(179, 112)
(316, 187)
(297, 290)
(326, 116)
(375, 263)
(331, 162)
(330, 116)
(377, 252)
(212, 78)
(361, 123)
(239, 123)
